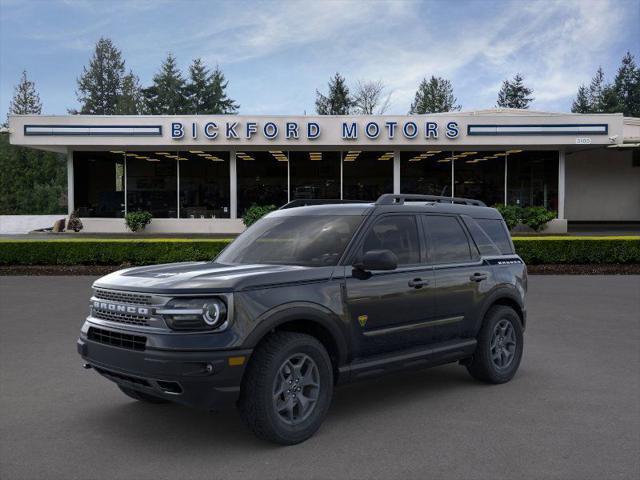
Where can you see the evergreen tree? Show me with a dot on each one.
(596, 91)
(25, 99)
(31, 181)
(627, 86)
(581, 104)
(218, 100)
(167, 95)
(100, 85)
(130, 101)
(433, 96)
(338, 101)
(514, 94)
(206, 91)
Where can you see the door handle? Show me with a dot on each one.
(418, 283)
(478, 277)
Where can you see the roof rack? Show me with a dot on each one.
(304, 202)
(393, 199)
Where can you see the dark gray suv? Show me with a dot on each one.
(310, 297)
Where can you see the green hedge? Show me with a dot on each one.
(107, 252)
(578, 250)
(534, 250)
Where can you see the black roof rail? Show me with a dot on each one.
(304, 202)
(393, 199)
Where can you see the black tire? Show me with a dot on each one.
(141, 396)
(490, 362)
(262, 393)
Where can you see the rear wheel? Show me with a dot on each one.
(500, 345)
(287, 389)
(141, 396)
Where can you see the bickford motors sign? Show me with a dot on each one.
(294, 130)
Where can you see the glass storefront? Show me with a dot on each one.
(99, 184)
(314, 175)
(366, 175)
(197, 184)
(204, 184)
(261, 179)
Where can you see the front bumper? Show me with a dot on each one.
(201, 379)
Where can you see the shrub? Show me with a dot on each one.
(74, 223)
(137, 220)
(255, 213)
(534, 217)
(510, 213)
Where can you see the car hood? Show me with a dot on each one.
(200, 277)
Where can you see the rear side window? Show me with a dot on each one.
(497, 232)
(481, 238)
(397, 233)
(448, 242)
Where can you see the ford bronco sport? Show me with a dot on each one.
(310, 297)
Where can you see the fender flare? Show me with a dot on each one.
(306, 311)
(502, 292)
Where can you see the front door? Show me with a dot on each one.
(388, 309)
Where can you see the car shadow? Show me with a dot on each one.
(191, 429)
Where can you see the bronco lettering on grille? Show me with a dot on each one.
(117, 308)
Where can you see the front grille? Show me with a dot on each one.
(123, 297)
(117, 339)
(115, 376)
(127, 318)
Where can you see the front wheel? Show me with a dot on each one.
(500, 345)
(287, 388)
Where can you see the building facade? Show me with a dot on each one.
(201, 173)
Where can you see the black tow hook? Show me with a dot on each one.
(86, 366)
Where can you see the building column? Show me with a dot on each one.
(561, 183)
(70, 183)
(396, 172)
(233, 185)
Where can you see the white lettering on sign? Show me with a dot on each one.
(583, 141)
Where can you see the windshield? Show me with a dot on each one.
(311, 241)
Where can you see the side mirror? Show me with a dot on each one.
(377, 260)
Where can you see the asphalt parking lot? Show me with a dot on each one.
(572, 412)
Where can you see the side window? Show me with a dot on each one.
(480, 237)
(497, 232)
(398, 233)
(449, 243)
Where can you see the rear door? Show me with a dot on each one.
(388, 309)
(461, 278)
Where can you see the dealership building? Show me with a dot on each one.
(199, 174)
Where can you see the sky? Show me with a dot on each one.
(276, 54)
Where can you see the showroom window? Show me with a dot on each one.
(261, 179)
(99, 184)
(532, 179)
(152, 184)
(314, 175)
(479, 175)
(204, 184)
(366, 175)
(426, 172)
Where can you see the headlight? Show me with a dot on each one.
(194, 313)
